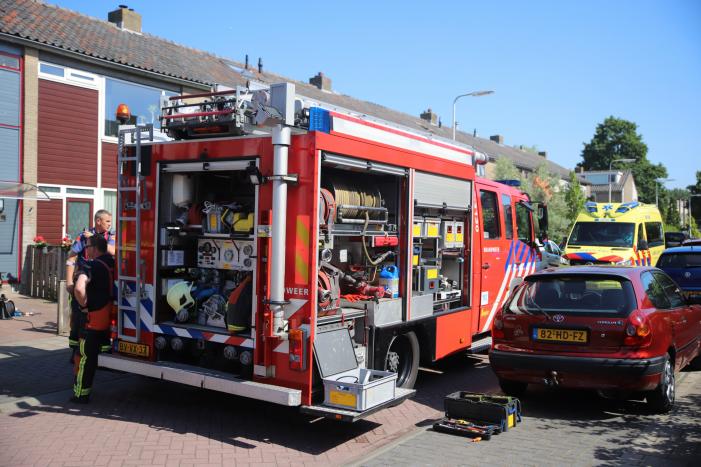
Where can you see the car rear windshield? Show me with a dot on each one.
(603, 234)
(680, 260)
(593, 295)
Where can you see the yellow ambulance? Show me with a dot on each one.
(625, 234)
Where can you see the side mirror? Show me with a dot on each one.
(642, 245)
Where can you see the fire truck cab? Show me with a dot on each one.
(286, 250)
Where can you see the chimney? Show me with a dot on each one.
(246, 67)
(430, 117)
(260, 65)
(499, 139)
(543, 154)
(321, 81)
(125, 18)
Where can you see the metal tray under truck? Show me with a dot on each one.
(350, 392)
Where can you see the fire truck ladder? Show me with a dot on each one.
(129, 198)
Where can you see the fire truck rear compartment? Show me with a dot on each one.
(206, 220)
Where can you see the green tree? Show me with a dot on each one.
(542, 187)
(672, 215)
(574, 198)
(616, 138)
(504, 169)
(696, 189)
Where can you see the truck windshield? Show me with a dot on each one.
(603, 234)
(573, 294)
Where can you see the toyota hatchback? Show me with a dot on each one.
(615, 329)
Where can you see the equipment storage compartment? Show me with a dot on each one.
(207, 257)
(346, 385)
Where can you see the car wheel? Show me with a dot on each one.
(661, 399)
(513, 388)
(403, 358)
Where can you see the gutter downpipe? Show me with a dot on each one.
(281, 142)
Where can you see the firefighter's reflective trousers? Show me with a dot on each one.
(91, 343)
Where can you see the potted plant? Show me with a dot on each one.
(66, 243)
(40, 242)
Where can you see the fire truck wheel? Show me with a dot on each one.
(403, 359)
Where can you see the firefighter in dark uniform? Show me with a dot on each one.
(76, 258)
(93, 293)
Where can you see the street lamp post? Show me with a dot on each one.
(472, 94)
(610, 164)
(658, 181)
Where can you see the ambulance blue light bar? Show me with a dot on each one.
(591, 206)
(625, 207)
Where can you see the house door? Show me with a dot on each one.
(78, 216)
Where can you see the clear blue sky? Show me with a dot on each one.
(558, 68)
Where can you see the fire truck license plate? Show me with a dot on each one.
(576, 336)
(342, 398)
(140, 350)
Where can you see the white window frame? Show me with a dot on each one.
(70, 76)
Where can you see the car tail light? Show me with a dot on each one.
(298, 349)
(638, 332)
(498, 326)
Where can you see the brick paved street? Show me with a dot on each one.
(137, 421)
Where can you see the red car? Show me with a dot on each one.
(615, 329)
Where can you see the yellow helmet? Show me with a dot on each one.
(179, 297)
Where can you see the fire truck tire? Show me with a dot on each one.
(403, 359)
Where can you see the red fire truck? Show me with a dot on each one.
(287, 250)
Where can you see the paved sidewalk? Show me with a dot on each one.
(568, 428)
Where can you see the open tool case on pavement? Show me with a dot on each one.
(478, 415)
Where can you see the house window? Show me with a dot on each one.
(80, 191)
(51, 70)
(144, 103)
(110, 202)
(9, 62)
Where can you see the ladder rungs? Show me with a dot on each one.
(127, 188)
(126, 159)
(127, 278)
(130, 308)
(130, 219)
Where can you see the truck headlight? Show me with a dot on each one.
(625, 262)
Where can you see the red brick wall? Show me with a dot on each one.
(67, 146)
(50, 220)
(109, 165)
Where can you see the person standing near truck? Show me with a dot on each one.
(76, 258)
(93, 294)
